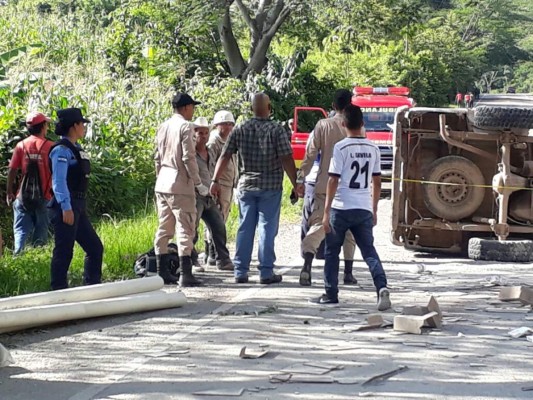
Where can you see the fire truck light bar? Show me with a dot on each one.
(397, 91)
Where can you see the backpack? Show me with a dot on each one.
(145, 264)
(31, 194)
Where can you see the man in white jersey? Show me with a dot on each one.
(352, 196)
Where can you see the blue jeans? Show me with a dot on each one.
(360, 223)
(257, 209)
(30, 224)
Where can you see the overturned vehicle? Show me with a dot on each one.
(464, 179)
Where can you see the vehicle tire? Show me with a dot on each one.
(450, 202)
(501, 117)
(504, 251)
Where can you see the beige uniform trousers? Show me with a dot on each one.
(177, 216)
(225, 199)
(316, 234)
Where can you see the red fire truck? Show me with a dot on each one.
(379, 106)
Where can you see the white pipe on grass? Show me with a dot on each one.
(22, 318)
(84, 293)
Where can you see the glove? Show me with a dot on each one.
(202, 190)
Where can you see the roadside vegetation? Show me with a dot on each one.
(121, 60)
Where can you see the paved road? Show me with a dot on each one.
(175, 353)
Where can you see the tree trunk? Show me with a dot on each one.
(231, 47)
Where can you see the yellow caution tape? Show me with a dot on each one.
(423, 182)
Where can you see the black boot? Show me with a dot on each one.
(349, 279)
(187, 279)
(305, 273)
(163, 270)
(212, 259)
(206, 251)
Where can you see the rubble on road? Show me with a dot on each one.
(414, 318)
(5, 357)
(517, 293)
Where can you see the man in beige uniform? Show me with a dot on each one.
(177, 179)
(224, 123)
(326, 134)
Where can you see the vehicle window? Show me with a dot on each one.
(377, 121)
(307, 120)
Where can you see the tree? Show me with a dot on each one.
(263, 24)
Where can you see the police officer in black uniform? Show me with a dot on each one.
(70, 177)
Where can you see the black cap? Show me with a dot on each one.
(182, 100)
(69, 116)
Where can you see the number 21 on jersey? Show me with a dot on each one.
(358, 172)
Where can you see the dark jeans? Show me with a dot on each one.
(65, 236)
(360, 223)
(208, 211)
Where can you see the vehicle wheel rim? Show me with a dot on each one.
(455, 190)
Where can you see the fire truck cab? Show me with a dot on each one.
(379, 106)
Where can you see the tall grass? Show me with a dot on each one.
(124, 240)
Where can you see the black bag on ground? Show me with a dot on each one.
(31, 195)
(145, 264)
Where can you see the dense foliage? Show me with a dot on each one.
(121, 60)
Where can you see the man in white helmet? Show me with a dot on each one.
(223, 123)
(206, 207)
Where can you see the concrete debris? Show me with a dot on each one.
(168, 353)
(414, 318)
(382, 377)
(226, 393)
(529, 339)
(311, 368)
(477, 365)
(527, 388)
(374, 321)
(5, 357)
(506, 310)
(497, 281)
(254, 312)
(413, 323)
(517, 293)
(520, 332)
(252, 355)
(366, 394)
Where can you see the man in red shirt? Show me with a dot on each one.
(32, 221)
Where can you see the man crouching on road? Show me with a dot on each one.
(354, 169)
(206, 206)
(264, 151)
(177, 179)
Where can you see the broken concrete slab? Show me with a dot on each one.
(225, 393)
(381, 377)
(520, 332)
(251, 355)
(517, 293)
(413, 323)
(5, 357)
(311, 368)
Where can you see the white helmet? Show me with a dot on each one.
(201, 122)
(223, 116)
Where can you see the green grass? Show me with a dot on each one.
(123, 241)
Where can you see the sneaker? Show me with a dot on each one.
(226, 266)
(384, 302)
(241, 279)
(273, 279)
(349, 279)
(324, 299)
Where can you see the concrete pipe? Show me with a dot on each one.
(23, 318)
(84, 293)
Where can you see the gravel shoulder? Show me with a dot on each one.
(172, 354)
